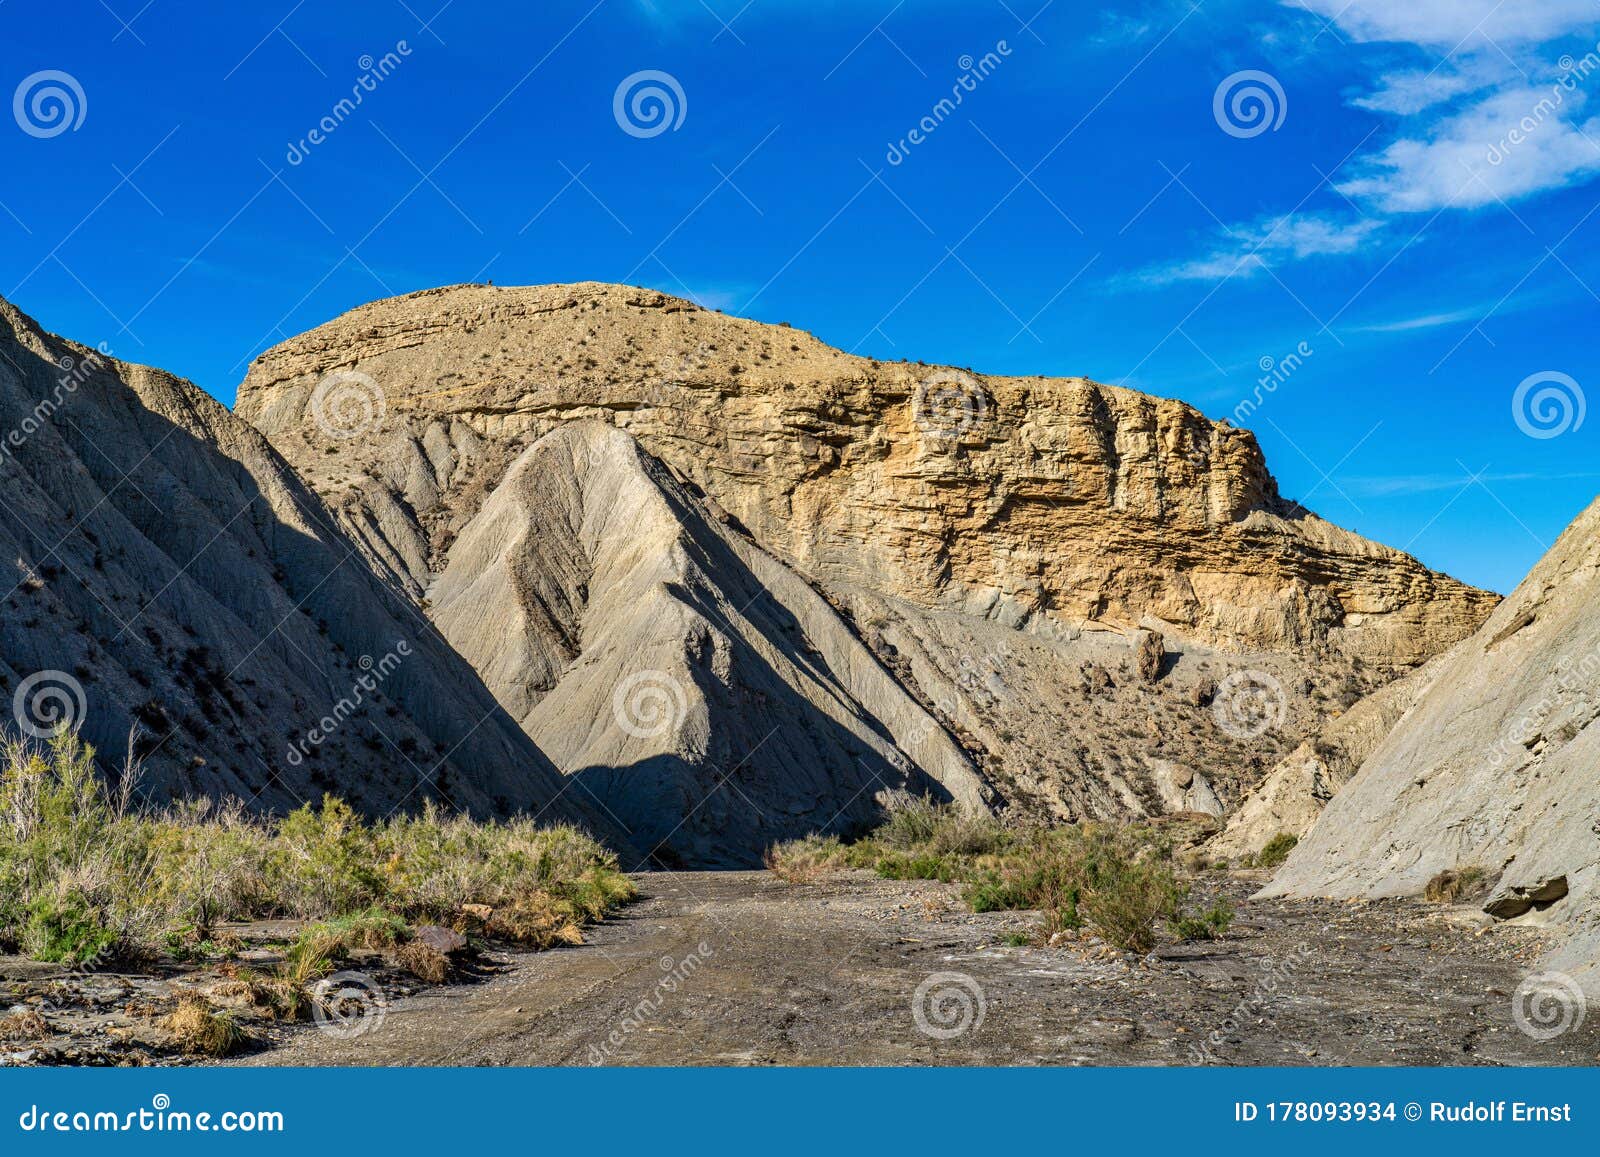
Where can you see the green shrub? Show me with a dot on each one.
(82, 876)
(1277, 850)
(1208, 925)
(917, 866)
(67, 932)
(1127, 888)
(1119, 879)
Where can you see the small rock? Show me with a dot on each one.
(445, 941)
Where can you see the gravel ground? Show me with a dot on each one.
(739, 968)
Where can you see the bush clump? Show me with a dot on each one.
(1119, 879)
(1457, 885)
(87, 878)
(1276, 851)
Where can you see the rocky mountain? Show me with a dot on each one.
(1065, 598)
(1294, 793)
(171, 576)
(697, 687)
(1493, 769)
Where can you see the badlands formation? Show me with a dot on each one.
(1493, 768)
(701, 584)
(738, 584)
(173, 577)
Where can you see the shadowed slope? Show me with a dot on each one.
(171, 571)
(700, 689)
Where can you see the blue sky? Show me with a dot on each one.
(1396, 235)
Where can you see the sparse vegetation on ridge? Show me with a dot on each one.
(1120, 880)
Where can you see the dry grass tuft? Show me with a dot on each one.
(804, 861)
(1457, 885)
(425, 963)
(27, 1025)
(200, 1030)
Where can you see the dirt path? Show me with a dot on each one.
(739, 968)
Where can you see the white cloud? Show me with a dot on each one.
(1453, 23)
(1410, 92)
(1467, 127)
(1248, 249)
(1426, 321)
(1520, 141)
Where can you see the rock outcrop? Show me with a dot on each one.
(173, 577)
(697, 687)
(1061, 573)
(1292, 796)
(1016, 499)
(1493, 769)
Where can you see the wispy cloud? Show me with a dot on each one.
(1410, 91)
(1491, 121)
(1516, 143)
(1455, 24)
(1425, 321)
(1387, 485)
(1248, 249)
(1488, 123)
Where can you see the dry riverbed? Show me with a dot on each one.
(740, 968)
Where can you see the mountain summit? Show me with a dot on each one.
(1040, 592)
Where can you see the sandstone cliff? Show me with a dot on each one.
(1062, 573)
(1018, 499)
